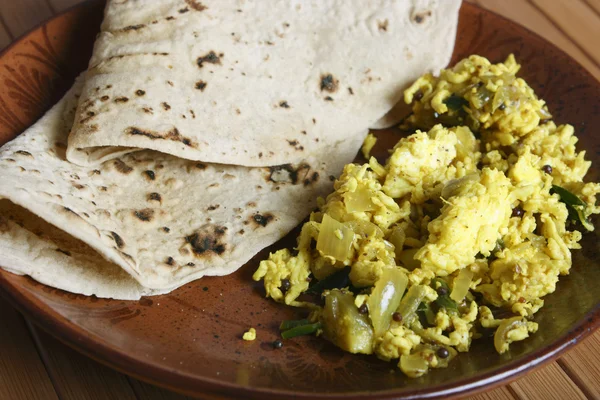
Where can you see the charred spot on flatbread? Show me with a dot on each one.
(128, 257)
(262, 219)
(172, 134)
(90, 115)
(284, 104)
(196, 5)
(133, 27)
(312, 179)
(140, 92)
(328, 98)
(145, 215)
(183, 10)
(122, 167)
(69, 211)
(170, 261)
(383, 25)
(165, 105)
(154, 197)
(201, 85)
(166, 229)
(207, 241)
(150, 175)
(65, 252)
(296, 145)
(211, 58)
(23, 153)
(420, 17)
(121, 99)
(213, 208)
(286, 173)
(329, 83)
(118, 240)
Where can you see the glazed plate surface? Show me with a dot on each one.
(190, 340)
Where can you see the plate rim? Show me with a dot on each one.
(95, 347)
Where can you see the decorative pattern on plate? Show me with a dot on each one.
(29, 81)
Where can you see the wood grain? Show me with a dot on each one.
(75, 376)
(582, 364)
(5, 37)
(150, 392)
(594, 6)
(22, 373)
(501, 393)
(60, 5)
(576, 22)
(529, 15)
(55, 371)
(22, 15)
(548, 383)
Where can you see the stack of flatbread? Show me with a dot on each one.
(202, 132)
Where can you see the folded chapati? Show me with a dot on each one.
(204, 132)
(146, 222)
(252, 83)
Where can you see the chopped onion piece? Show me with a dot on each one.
(385, 298)
(407, 259)
(397, 238)
(335, 239)
(364, 228)
(501, 339)
(413, 365)
(410, 303)
(359, 200)
(461, 285)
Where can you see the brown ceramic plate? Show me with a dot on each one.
(190, 341)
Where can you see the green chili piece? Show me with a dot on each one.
(301, 330)
(285, 325)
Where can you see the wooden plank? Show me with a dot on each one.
(582, 364)
(22, 373)
(60, 5)
(594, 5)
(150, 392)
(76, 376)
(575, 20)
(22, 15)
(548, 383)
(529, 16)
(501, 393)
(5, 37)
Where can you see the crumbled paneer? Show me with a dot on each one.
(249, 335)
(467, 226)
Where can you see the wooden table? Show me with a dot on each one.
(33, 365)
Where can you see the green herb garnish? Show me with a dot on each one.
(575, 206)
(301, 330)
(455, 103)
(338, 280)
